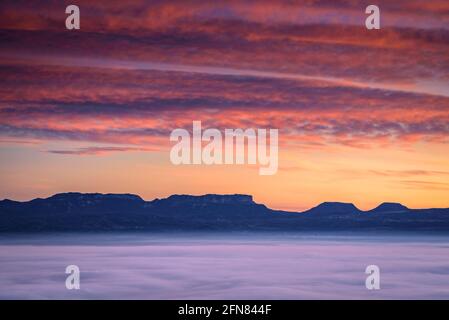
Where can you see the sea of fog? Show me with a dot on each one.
(224, 266)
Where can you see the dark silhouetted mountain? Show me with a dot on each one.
(207, 199)
(390, 207)
(333, 208)
(211, 212)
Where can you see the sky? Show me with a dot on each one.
(363, 115)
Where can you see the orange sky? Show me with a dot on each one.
(363, 116)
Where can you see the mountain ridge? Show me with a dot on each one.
(248, 198)
(76, 211)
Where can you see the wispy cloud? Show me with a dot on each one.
(409, 173)
(99, 150)
(427, 185)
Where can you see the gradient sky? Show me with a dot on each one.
(363, 115)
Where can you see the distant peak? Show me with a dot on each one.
(336, 203)
(334, 207)
(342, 205)
(390, 207)
(94, 196)
(213, 198)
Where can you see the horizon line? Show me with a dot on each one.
(218, 194)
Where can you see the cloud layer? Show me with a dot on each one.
(136, 70)
(248, 267)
